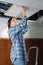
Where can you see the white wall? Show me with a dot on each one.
(3, 28)
(34, 32)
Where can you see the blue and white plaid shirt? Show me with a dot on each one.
(18, 49)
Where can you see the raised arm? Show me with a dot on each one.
(23, 23)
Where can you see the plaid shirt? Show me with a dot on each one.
(18, 49)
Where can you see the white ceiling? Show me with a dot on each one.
(21, 2)
(30, 3)
(33, 6)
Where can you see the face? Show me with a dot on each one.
(13, 22)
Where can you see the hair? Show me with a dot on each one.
(9, 21)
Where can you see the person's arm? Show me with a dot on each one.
(23, 23)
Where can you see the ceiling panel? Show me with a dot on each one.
(4, 5)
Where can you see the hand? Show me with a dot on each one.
(21, 8)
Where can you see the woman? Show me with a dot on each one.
(18, 53)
